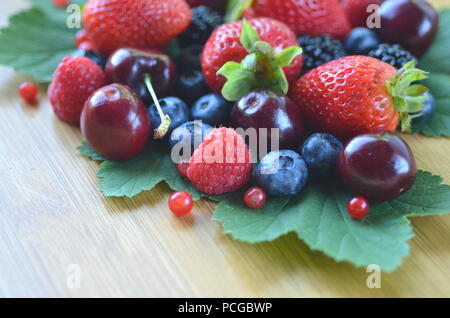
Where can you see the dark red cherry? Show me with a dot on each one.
(411, 23)
(130, 66)
(115, 123)
(265, 109)
(378, 166)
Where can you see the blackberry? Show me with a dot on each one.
(392, 54)
(204, 21)
(319, 50)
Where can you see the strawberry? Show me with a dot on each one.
(356, 11)
(142, 24)
(75, 79)
(359, 94)
(267, 48)
(311, 17)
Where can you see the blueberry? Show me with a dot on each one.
(204, 21)
(191, 85)
(175, 108)
(427, 112)
(361, 41)
(321, 151)
(282, 173)
(190, 58)
(94, 56)
(189, 136)
(212, 109)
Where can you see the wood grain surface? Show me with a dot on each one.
(53, 217)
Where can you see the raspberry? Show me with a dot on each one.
(221, 164)
(75, 79)
(142, 24)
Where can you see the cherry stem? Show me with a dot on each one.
(162, 130)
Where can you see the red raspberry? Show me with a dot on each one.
(221, 164)
(141, 24)
(75, 79)
(60, 3)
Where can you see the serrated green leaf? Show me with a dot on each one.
(428, 196)
(87, 151)
(249, 225)
(236, 88)
(35, 41)
(129, 178)
(319, 217)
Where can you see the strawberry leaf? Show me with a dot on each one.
(260, 69)
(319, 217)
(236, 8)
(35, 41)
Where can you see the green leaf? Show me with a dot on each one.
(319, 218)
(249, 36)
(249, 225)
(437, 60)
(287, 56)
(236, 8)
(129, 178)
(237, 87)
(439, 124)
(87, 151)
(35, 41)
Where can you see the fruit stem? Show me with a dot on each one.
(161, 131)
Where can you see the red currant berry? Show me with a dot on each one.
(182, 168)
(81, 37)
(358, 207)
(255, 198)
(29, 92)
(181, 203)
(61, 3)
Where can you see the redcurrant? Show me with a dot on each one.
(181, 203)
(255, 198)
(29, 92)
(358, 207)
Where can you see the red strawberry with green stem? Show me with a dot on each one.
(310, 17)
(142, 24)
(259, 54)
(359, 94)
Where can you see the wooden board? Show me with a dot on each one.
(52, 217)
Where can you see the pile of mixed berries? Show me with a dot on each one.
(333, 90)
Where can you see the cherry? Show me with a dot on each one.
(358, 207)
(255, 198)
(115, 123)
(29, 92)
(181, 203)
(378, 166)
(412, 24)
(131, 67)
(265, 109)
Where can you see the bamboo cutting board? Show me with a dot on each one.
(54, 223)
